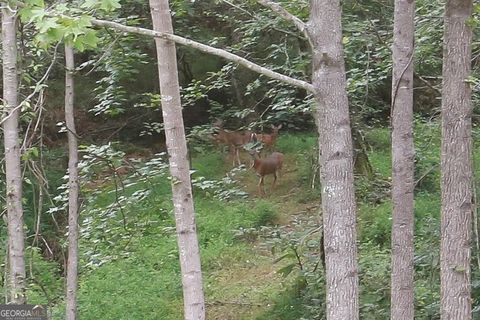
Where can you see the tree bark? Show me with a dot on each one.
(12, 157)
(403, 153)
(456, 163)
(73, 187)
(336, 160)
(194, 305)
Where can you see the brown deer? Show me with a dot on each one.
(235, 140)
(272, 164)
(269, 140)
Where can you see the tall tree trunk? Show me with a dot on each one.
(194, 304)
(456, 163)
(73, 187)
(12, 157)
(403, 152)
(336, 159)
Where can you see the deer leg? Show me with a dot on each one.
(237, 153)
(261, 188)
(274, 179)
(231, 149)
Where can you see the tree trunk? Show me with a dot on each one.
(456, 163)
(12, 157)
(73, 187)
(403, 152)
(336, 159)
(194, 305)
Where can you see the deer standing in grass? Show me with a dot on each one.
(235, 140)
(267, 139)
(272, 164)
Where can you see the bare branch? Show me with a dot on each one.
(207, 49)
(239, 8)
(282, 12)
(256, 17)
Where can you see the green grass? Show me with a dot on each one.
(303, 152)
(143, 286)
(287, 305)
(210, 165)
(378, 139)
(296, 143)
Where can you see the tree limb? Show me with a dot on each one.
(207, 49)
(282, 12)
(233, 5)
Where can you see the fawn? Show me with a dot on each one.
(269, 140)
(272, 164)
(233, 139)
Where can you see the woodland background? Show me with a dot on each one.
(261, 256)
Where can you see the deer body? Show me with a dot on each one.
(265, 166)
(269, 139)
(233, 139)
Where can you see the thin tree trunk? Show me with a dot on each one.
(336, 159)
(73, 187)
(6, 277)
(12, 157)
(194, 305)
(456, 163)
(403, 152)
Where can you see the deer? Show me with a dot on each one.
(269, 140)
(272, 164)
(235, 140)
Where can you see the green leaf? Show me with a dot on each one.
(105, 5)
(110, 5)
(47, 24)
(472, 22)
(61, 8)
(34, 3)
(79, 46)
(476, 8)
(30, 153)
(90, 39)
(84, 21)
(89, 4)
(35, 151)
(55, 34)
(32, 14)
(285, 271)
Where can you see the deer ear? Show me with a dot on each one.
(279, 127)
